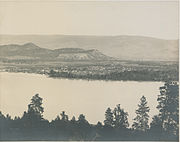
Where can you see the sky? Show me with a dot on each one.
(151, 18)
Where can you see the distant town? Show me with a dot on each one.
(101, 70)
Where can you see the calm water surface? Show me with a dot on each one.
(75, 97)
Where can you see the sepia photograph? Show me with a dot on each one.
(82, 70)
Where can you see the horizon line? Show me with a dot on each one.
(91, 35)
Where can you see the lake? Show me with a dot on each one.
(75, 97)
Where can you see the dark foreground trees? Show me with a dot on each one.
(142, 118)
(32, 125)
(167, 121)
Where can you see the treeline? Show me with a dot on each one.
(164, 126)
(141, 75)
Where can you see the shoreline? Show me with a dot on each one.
(84, 79)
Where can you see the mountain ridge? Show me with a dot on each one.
(30, 51)
(122, 47)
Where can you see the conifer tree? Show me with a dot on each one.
(35, 107)
(142, 118)
(108, 117)
(168, 105)
(120, 117)
(64, 117)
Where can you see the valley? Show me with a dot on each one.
(78, 63)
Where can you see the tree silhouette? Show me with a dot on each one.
(64, 117)
(141, 120)
(35, 106)
(2, 117)
(32, 119)
(168, 105)
(108, 117)
(82, 119)
(120, 117)
(83, 127)
(32, 125)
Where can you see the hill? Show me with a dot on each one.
(32, 51)
(122, 47)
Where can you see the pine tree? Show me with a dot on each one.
(108, 117)
(82, 119)
(64, 117)
(33, 117)
(141, 120)
(2, 117)
(83, 127)
(120, 117)
(169, 107)
(35, 107)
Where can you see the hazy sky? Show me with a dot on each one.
(155, 19)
